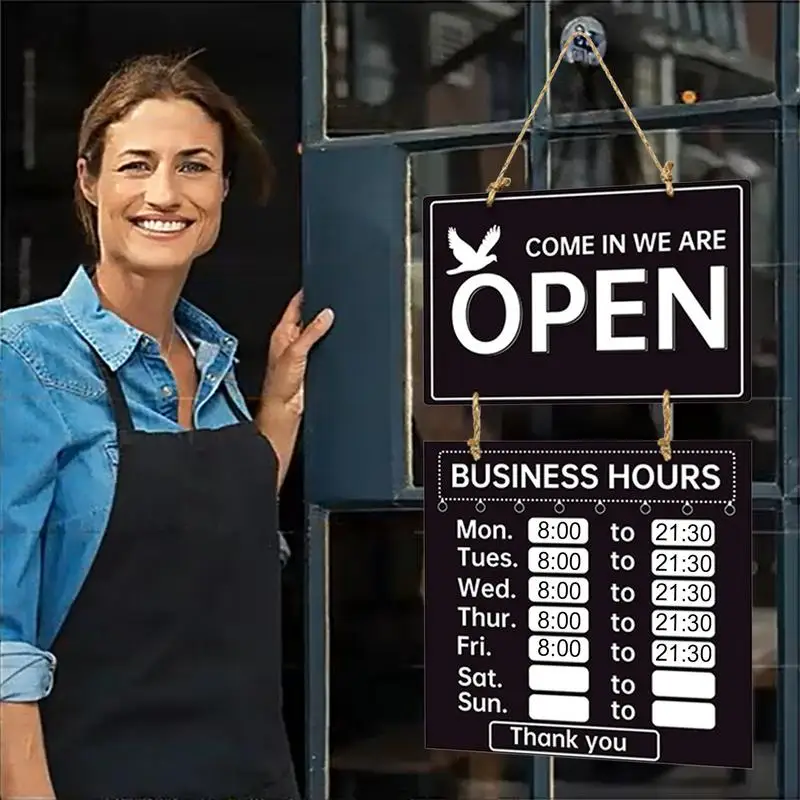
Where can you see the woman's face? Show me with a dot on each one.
(160, 187)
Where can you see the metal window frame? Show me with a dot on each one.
(389, 151)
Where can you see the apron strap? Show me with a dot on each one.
(119, 405)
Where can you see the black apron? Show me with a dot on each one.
(168, 676)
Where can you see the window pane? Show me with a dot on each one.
(676, 51)
(401, 66)
(700, 155)
(598, 780)
(461, 171)
(376, 673)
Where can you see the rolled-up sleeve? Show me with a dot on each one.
(32, 434)
(26, 673)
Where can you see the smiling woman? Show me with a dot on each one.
(176, 121)
(164, 203)
(129, 461)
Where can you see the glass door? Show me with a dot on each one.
(406, 99)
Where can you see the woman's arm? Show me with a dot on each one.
(23, 764)
(280, 423)
(33, 434)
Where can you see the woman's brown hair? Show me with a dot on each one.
(167, 77)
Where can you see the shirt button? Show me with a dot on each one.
(227, 341)
(211, 378)
(166, 391)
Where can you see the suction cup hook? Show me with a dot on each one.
(580, 51)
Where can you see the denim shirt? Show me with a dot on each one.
(58, 453)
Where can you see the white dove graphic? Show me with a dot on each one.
(469, 259)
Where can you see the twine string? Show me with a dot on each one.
(665, 442)
(502, 181)
(474, 443)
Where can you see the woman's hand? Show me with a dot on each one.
(282, 399)
(288, 355)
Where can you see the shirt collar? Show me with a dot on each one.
(114, 340)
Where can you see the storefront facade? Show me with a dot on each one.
(403, 100)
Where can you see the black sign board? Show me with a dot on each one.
(590, 600)
(589, 295)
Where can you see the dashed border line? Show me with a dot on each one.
(605, 501)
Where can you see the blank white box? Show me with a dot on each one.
(558, 708)
(685, 715)
(557, 678)
(684, 684)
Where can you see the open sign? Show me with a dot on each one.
(580, 296)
